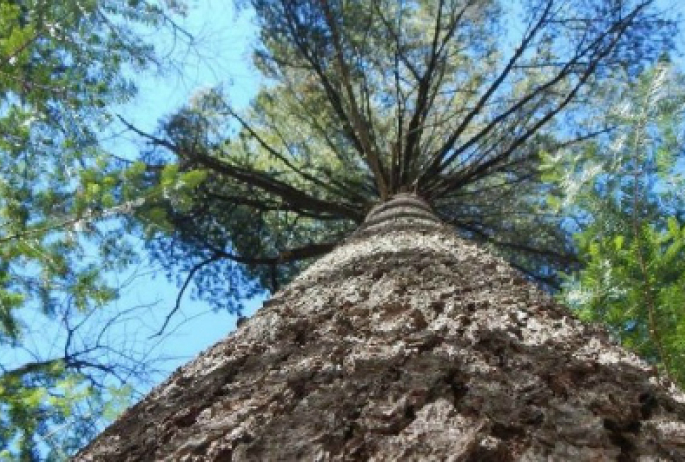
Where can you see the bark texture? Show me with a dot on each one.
(406, 343)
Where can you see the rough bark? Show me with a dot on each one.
(406, 343)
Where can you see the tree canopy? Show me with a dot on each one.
(365, 99)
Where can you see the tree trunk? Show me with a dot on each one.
(406, 343)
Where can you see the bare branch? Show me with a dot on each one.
(179, 296)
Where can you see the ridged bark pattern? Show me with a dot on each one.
(406, 343)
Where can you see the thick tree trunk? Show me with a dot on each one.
(406, 343)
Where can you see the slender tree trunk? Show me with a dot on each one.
(406, 343)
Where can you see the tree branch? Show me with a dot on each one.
(179, 296)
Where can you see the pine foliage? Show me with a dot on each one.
(626, 194)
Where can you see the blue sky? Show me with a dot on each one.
(220, 56)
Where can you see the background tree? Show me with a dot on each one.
(63, 70)
(624, 192)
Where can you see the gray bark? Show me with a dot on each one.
(406, 343)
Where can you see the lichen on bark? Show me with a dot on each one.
(406, 343)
